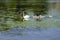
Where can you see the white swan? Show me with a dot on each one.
(26, 17)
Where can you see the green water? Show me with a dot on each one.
(46, 29)
(46, 22)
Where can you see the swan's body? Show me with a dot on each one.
(26, 17)
(50, 16)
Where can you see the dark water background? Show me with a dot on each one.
(51, 32)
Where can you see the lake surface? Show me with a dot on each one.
(48, 29)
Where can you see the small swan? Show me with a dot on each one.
(50, 16)
(42, 16)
